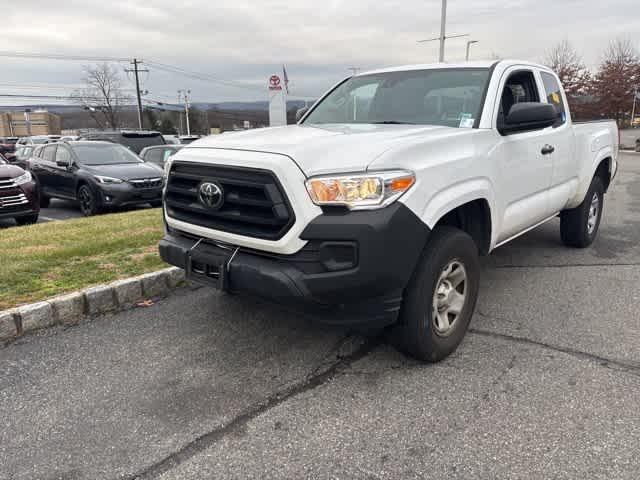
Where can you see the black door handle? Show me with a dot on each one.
(547, 149)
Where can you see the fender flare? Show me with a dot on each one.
(456, 195)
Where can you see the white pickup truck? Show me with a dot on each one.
(374, 208)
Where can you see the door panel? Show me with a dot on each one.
(564, 179)
(64, 177)
(524, 172)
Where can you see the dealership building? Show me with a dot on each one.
(27, 123)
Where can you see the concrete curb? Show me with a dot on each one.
(71, 308)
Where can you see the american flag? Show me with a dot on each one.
(286, 79)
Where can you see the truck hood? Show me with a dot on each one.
(322, 149)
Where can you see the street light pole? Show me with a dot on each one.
(469, 43)
(443, 23)
(633, 109)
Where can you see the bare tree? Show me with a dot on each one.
(616, 80)
(103, 95)
(575, 77)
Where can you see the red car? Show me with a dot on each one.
(18, 194)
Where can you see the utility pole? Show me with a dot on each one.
(136, 70)
(443, 26)
(180, 114)
(443, 32)
(186, 110)
(469, 43)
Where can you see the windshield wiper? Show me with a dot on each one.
(392, 122)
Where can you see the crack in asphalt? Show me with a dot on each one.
(616, 365)
(316, 378)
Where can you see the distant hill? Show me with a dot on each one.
(221, 106)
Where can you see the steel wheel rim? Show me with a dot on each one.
(85, 200)
(594, 211)
(449, 298)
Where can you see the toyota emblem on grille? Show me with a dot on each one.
(211, 195)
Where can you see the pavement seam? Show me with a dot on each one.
(310, 382)
(616, 365)
(560, 265)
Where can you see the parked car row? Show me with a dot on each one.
(98, 170)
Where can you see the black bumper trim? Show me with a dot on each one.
(386, 245)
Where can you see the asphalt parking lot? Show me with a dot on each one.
(201, 385)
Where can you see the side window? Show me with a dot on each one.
(62, 154)
(154, 156)
(49, 153)
(554, 96)
(519, 87)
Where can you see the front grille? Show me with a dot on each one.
(7, 183)
(13, 201)
(254, 203)
(146, 182)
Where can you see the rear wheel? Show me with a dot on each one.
(27, 220)
(156, 204)
(88, 201)
(440, 298)
(579, 226)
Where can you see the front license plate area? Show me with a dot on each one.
(208, 264)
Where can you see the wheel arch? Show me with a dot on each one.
(472, 205)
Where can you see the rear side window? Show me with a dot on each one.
(63, 155)
(154, 156)
(49, 153)
(554, 96)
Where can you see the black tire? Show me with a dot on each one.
(27, 220)
(156, 204)
(44, 201)
(417, 332)
(576, 229)
(88, 201)
(637, 146)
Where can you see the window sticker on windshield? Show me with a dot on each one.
(466, 120)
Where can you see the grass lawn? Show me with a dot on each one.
(47, 259)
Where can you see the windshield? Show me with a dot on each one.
(448, 97)
(102, 154)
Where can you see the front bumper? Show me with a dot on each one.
(352, 270)
(122, 194)
(15, 208)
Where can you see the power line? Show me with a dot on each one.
(55, 56)
(202, 76)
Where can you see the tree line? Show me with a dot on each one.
(607, 92)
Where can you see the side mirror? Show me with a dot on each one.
(300, 113)
(63, 163)
(529, 116)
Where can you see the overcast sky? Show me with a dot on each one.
(244, 41)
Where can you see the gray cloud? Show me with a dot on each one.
(246, 41)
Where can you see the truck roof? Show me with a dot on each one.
(474, 64)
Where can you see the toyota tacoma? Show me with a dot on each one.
(374, 208)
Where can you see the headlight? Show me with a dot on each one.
(360, 191)
(22, 179)
(102, 179)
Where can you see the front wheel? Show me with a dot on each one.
(88, 201)
(440, 298)
(156, 203)
(579, 226)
